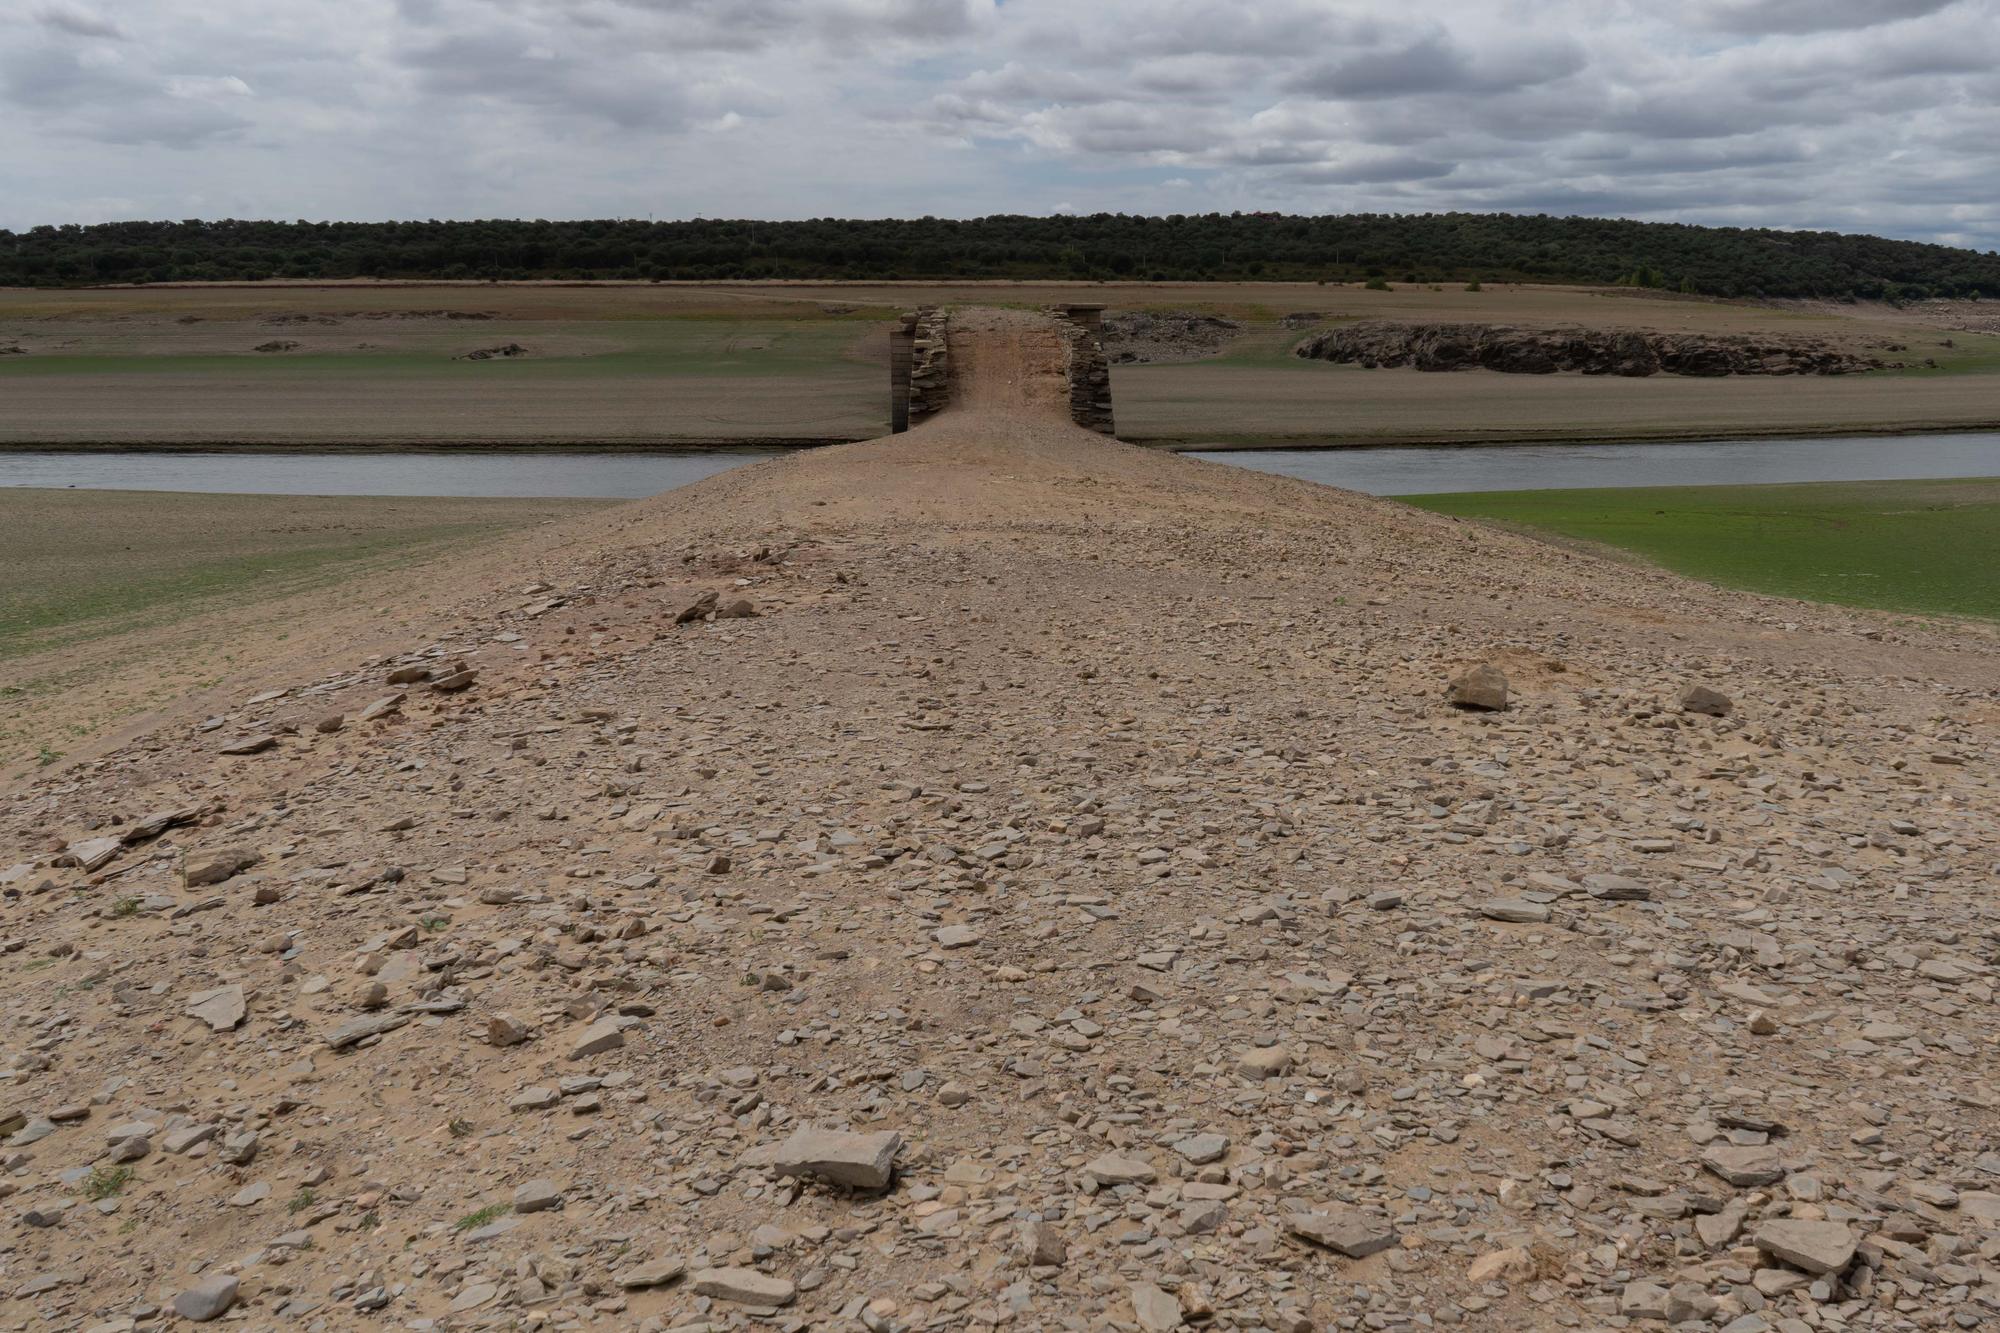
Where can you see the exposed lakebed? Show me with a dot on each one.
(1380, 471)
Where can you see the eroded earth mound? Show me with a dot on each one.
(997, 876)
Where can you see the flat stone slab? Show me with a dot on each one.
(1515, 909)
(358, 1030)
(1814, 1247)
(1111, 1169)
(858, 1161)
(1745, 1166)
(1347, 1231)
(744, 1286)
(222, 1008)
(652, 1273)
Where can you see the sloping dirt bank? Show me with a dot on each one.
(1091, 822)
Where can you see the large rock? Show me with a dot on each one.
(92, 853)
(652, 1273)
(1815, 1247)
(1157, 1311)
(745, 1286)
(858, 1161)
(606, 1034)
(1701, 699)
(222, 1008)
(1591, 351)
(208, 1299)
(1511, 1265)
(537, 1196)
(1347, 1231)
(1482, 688)
(357, 1030)
(1264, 1062)
(1111, 1169)
(213, 867)
(1745, 1166)
(1039, 1245)
(1518, 910)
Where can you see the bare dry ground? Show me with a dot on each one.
(637, 364)
(1217, 404)
(391, 367)
(1084, 837)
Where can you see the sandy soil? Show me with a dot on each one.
(1087, 831)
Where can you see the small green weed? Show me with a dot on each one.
(102, 1183)
(472, 1221)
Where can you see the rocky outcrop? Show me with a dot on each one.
(1143, 336)
(1524, 351)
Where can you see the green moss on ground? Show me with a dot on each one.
(1916, 546)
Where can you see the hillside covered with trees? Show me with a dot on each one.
(1429, 247)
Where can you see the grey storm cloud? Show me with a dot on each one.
(1434, 63)
(1799, 16)
(78, 23)
(1862, 114)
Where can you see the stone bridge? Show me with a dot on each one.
(920, 366)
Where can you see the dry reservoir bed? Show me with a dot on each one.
(386, 364)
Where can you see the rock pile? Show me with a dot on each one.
(1142, 336)
(1525, 351)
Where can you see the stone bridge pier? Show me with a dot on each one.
(919, 367)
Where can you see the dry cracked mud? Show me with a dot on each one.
(1044, 884)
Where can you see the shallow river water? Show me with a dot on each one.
(541, 476)
(1530, 467)
(1384, 471)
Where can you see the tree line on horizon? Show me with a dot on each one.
(1425, 247)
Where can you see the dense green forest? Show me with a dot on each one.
(1427, 247)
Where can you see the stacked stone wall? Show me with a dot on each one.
(930, 364)
(902, 340)
(1086, 367)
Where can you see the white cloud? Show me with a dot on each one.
(1859, 114)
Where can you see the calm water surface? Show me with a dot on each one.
(1389, 471)
(1532, 467)
(617, 476)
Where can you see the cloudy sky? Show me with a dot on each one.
(1863, 115)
